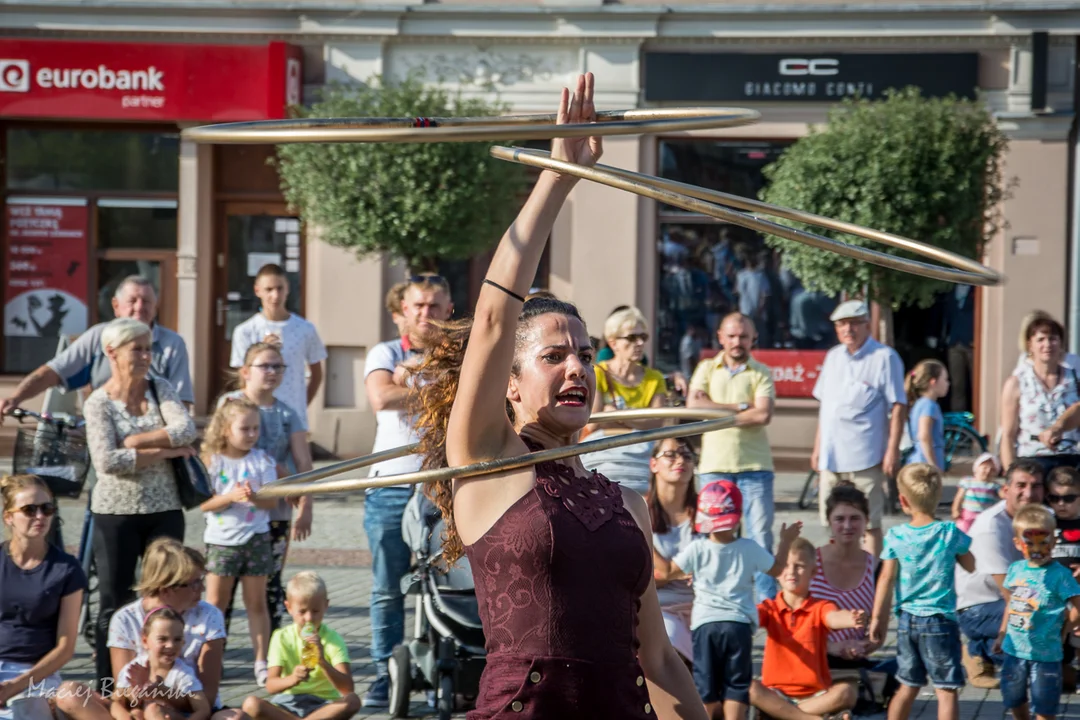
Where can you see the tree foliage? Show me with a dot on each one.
(419, 202)
(927, 169)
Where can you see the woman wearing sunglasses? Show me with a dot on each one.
(41, 591)
(624, 383)
(672, 502)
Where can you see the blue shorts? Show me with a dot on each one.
(298, 705)
(1044, 679)
(723, 661)
(928, 646)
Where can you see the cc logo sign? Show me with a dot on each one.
(803, 66)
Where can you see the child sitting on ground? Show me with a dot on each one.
(977, 493)
(1037, 593)
(723, 615)
(795, 679)
(308, 662)
(158, 684)
(924, 554)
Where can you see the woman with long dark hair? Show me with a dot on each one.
(561, 558)
(672, 501)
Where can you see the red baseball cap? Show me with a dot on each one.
(719, 507)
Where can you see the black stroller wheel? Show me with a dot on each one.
(446, 696)
(399, 667)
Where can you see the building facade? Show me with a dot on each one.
(95, 173)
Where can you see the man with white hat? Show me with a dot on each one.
(863, 406)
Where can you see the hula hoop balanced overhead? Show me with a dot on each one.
(954, 268)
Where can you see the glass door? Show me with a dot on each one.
(252, 235)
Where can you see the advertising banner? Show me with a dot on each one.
(47, 256)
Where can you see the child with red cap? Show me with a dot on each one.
(724, 615)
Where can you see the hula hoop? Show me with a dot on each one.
(706, 421)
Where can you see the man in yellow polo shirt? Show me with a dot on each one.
(733, 380)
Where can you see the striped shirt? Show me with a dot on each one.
(861, 597)
(979, 496)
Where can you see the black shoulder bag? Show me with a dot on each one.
(192, 478)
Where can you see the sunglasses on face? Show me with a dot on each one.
(193, 585)
(1070, 498)
(47, 509)
(271, 367)
(670, 455)
(636, 337)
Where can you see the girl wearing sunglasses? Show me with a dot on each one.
(672, 501)
(41, 590)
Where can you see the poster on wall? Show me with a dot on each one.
(47, 256)
(795, 372)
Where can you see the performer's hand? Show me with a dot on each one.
(574, 109)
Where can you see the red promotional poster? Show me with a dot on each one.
(794, 371)
(47, 254)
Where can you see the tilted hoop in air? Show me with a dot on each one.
(299, 485)
(709, 202)
(468, 129)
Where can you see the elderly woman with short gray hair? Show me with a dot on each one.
(135, 424)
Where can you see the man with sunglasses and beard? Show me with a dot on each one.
(425, 300)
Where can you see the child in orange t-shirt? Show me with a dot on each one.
(795, 681)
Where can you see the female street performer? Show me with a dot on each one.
(562, 559)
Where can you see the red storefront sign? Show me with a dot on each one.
(135, 81)
(794, 371)
(46, 257)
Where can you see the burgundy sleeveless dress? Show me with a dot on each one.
(558, 580)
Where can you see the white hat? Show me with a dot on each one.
(990, 458)
(850, 309)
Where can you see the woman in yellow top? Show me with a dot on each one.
(624, 383)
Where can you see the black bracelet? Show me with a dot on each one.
(511, 293)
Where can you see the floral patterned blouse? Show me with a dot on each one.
(1040, 408)
(120, 488)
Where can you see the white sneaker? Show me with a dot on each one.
(261, 673)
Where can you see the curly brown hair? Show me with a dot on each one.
(217, 432)
(437, 377)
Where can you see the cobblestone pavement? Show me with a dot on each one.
(338, 551)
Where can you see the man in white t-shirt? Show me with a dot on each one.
(979, 600)
(301, 348)
(426, 298)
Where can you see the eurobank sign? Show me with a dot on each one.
(135, 81)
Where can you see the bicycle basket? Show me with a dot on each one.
(59, 457)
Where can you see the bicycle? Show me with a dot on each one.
(56, 452)
(963, 442)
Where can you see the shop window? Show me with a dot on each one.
(93, 160)
(130, 223)
(707, 268)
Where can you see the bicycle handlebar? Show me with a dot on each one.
(21, 414)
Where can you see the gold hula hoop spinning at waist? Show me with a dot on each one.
(688, 197)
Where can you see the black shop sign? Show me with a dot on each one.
(802, 77)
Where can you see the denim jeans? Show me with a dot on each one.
(383, 509)
(928, 646)
(980, 625)
(756, 487)
(1042, 678)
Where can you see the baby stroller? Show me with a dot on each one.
(446, 654)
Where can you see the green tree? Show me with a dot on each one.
(418, 202)
(926, 168)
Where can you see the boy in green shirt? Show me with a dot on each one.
(321, 692)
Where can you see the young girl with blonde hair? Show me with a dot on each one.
(283, 436)
(925, 385)
(238, 526)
